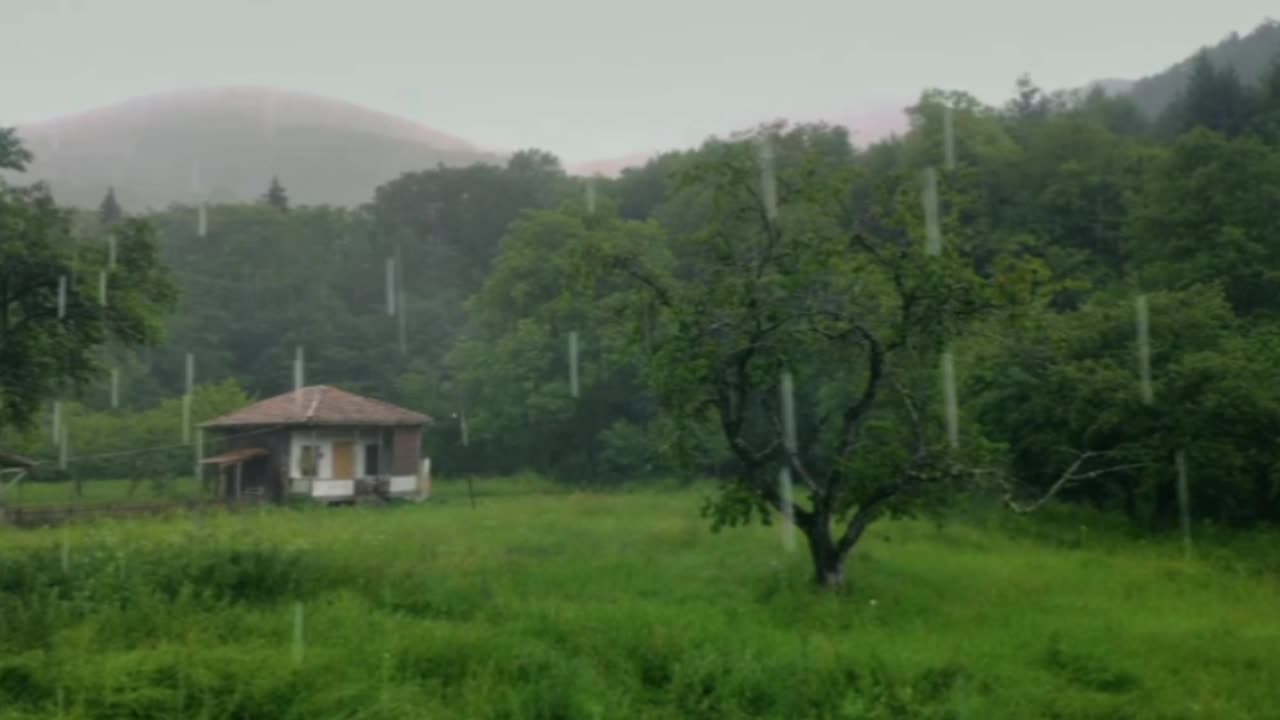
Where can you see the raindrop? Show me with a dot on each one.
(768, 180)
(949, 397)
(102, 288)
(62, 446)
(391, 286)
(933, 229)
(948, 138)
(462, 427)
(573, 363)
(402, 306)
(115, 387)
(591, 196)
(1184, 502)
(299, 377)
(788, 511)
(111, 251)
(56, 422)
(1144, 349)
(65, 554)
(787, 390)
(186, 398)
(62, 296)
(198, 466)
(202, 220)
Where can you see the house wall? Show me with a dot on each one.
(406, 451)
(399, 453)
(324, 439)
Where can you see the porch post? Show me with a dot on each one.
(239, 465)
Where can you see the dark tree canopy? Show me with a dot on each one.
(276, 196)
(109, 211)
(1214, 98)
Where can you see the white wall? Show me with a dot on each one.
(403, 484)
(325, 440)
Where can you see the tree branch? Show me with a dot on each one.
(855, 415)
(866, 514)
(1068, 477)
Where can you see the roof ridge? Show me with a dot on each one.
(327, 405)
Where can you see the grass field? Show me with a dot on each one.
(103, 492)
(561, 605)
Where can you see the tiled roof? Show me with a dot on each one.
(320, 405)
(235, 456)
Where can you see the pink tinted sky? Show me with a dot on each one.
(589, 79)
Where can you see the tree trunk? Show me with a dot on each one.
(828, 561)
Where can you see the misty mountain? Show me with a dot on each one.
(1249, 55)
(226, 144)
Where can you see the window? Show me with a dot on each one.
(370, 460)
(309, 460)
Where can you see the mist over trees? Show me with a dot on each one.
(691, 291)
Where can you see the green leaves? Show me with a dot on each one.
(41, 353)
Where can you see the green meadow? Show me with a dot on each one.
(539, 603)
(103, 492)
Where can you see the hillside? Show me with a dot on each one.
(865, 126)
(225, 144)
(1250, 55)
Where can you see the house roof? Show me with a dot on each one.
(235, 456)
(319, 405)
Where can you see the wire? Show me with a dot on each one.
(158, 448)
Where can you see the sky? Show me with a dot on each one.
(590, 79)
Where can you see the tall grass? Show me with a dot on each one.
(98, 492)
(588, 605)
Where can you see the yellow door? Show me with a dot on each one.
(344, 467)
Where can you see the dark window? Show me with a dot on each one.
(370, 460)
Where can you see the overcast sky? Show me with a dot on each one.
(589, 79)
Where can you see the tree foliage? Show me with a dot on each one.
(54, 317)
(109, 210)
(455, 291)
(795, 290)
(276, 196)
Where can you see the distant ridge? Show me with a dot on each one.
(865, 127)
(1249, 55)
(225, 144)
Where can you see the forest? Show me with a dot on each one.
(912, 360)
(456, 290)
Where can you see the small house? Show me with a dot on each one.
(322, 443)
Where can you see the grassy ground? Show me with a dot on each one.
(541, 605)
(102, 492)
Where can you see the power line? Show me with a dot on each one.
(159, 448)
